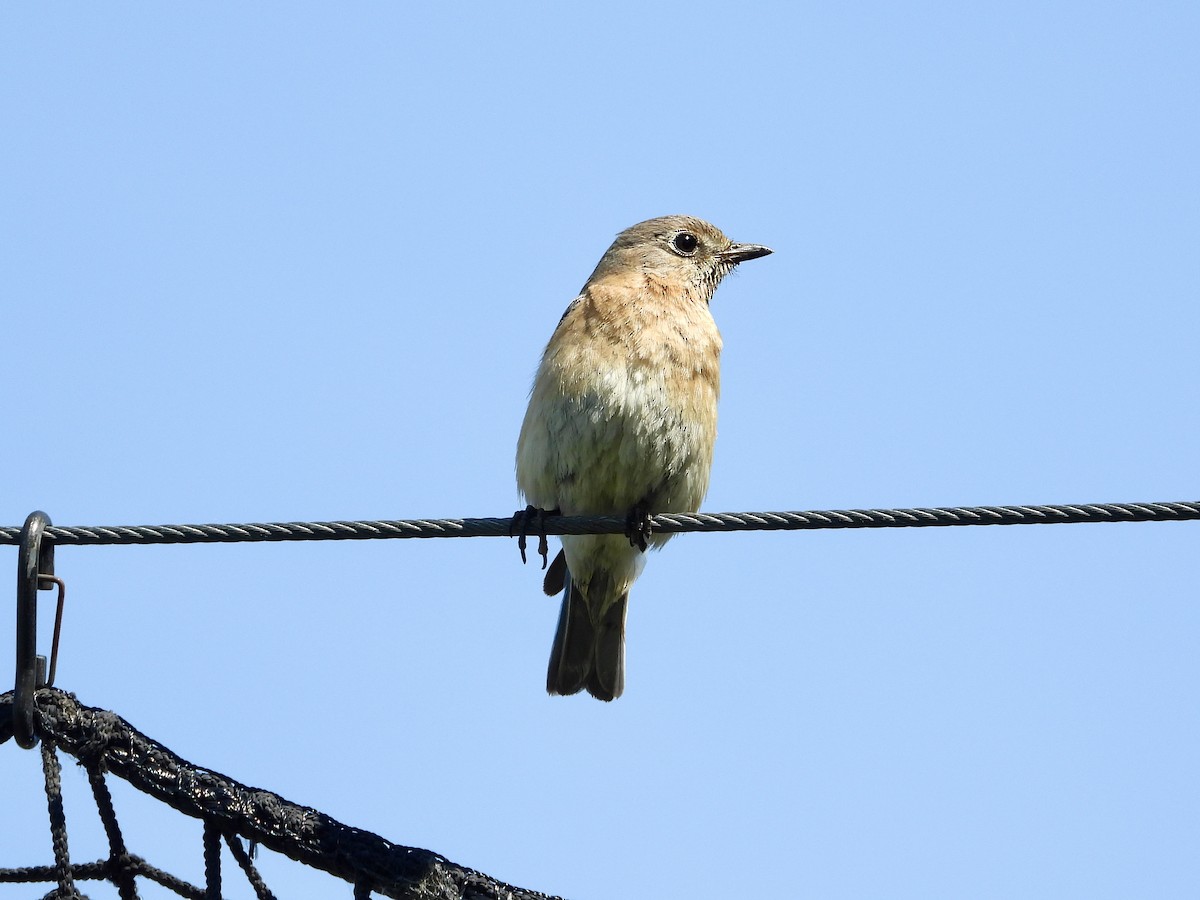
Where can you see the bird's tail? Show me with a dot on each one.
(589, 645)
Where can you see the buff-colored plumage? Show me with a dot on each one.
(623, 416)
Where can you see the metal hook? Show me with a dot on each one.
(62, 595)
(34, 558)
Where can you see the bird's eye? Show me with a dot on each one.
(685, 243)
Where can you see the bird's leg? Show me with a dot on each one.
(520, 526)
(637, 526)
(522, 519)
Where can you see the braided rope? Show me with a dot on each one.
(212, 860)
(120, 867)
(64, 874)
(110, 744)
(234, 843)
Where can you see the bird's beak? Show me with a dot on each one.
(736, 253)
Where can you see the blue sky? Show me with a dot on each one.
(280, 262)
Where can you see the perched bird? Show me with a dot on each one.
(621, 421)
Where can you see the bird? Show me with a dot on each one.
(622, 419)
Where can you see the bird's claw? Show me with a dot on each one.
(637, 527)
(521, 521)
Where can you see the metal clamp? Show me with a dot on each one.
(35, 559)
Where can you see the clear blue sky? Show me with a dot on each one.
(274, 261)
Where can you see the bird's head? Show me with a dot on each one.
(676, 250)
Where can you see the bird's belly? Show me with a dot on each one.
(634, 437)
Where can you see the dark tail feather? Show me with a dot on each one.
(556, 575)
(606, 681)
(586, 653)
(571, 656)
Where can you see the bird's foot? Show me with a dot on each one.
(637, 527)
(522, 520)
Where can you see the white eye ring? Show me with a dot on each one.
(685, 243)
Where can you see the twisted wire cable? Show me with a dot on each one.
(665, 523)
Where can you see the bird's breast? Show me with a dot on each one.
(623, 409)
